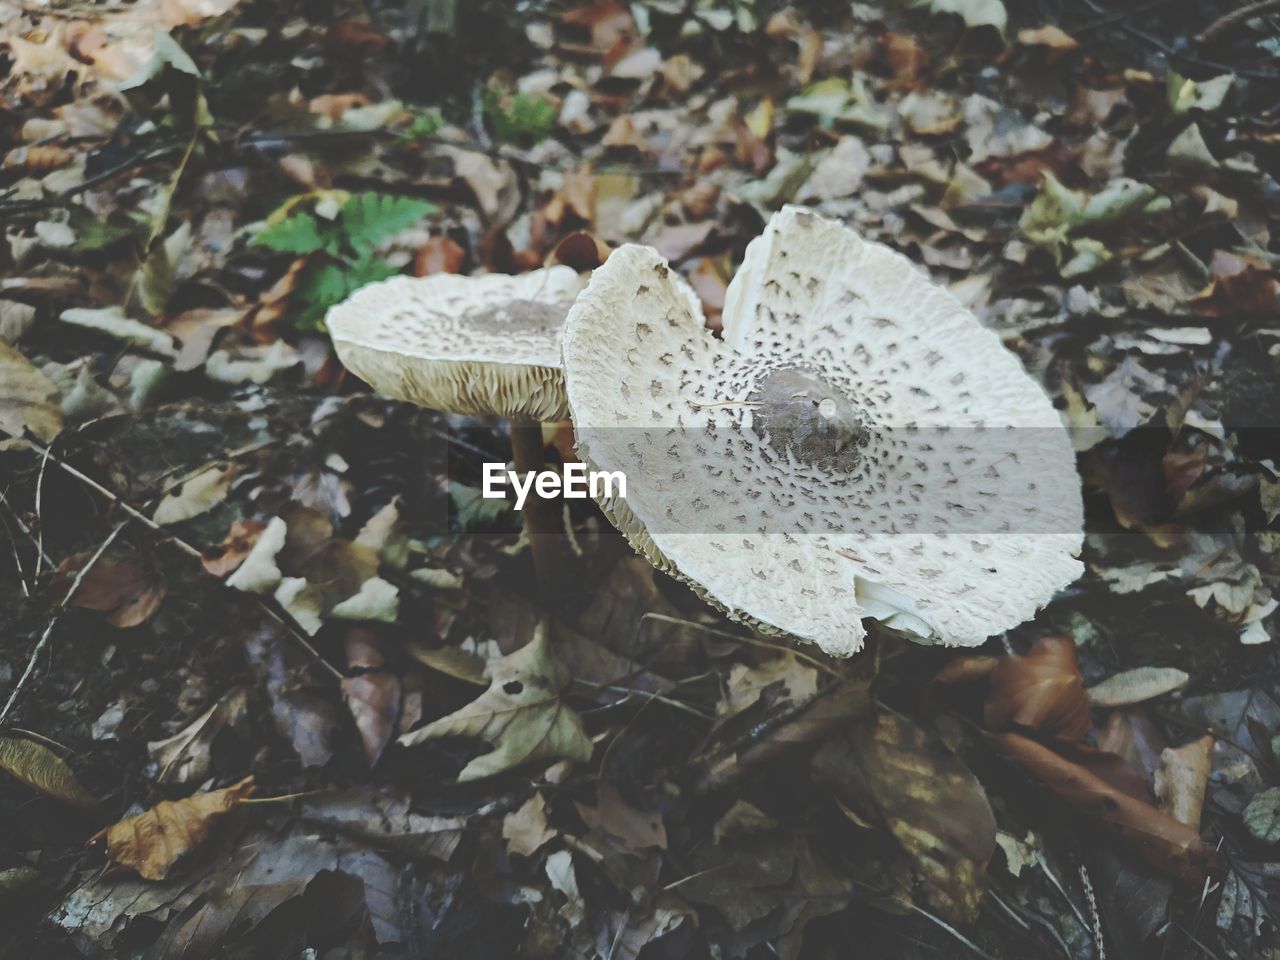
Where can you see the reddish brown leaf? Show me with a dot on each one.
(155, 839)
(581, 250)
(1042, 691)
(1169, 846)
(439, 255)
(1241, 286)
(222, 558)
(907, 60)
(374, 701)
(636, 829)
(356, 37)
(127, 591)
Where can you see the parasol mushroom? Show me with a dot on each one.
(485, 345)
(857, 445)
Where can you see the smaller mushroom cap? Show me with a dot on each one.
(484, 345)
(856, 445)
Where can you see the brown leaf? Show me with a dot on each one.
(439, 255)
(184, 757)
(1133, 735)
(907, 60)
(1170, 846)
(155, 839)
(526, 829)
(636, 829)
(41, 769)
(606, 25)
(374, 701)
(834, 707)
(903, 777)
(223, 558)
(576, 199)
(1042, 691)
(708, 281)
(356, 37)
(1241, 286)
(128, 591)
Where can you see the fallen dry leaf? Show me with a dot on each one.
(374, 701)
(197, 495)
(1136, 686)
(898, 775)
(127, 590)
(1165, 843)
(184, 757)
(1182, 778)
(612, 815)
(223, 558)
(526, 829)
(28, 399)
(521, 715)
(153, 841)
(41, 769)
(1042, 691)
(439, 255)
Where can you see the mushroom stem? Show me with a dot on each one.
(541, 524)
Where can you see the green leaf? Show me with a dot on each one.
(526, 120)
(298, 234)
(369, 218)
(332, 282)
(1262, 816)
(521, 715)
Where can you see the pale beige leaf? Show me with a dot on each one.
(1181, 779)
(28, 399)
(526, 829)
(521, 714)
(197, 495)
(1136, 686)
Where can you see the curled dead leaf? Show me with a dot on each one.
(153, 841)
(1042, 691)
(126, 590)
(1169, 846)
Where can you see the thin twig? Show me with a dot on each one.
(44, 462)
(48, 631)
(1233, 18)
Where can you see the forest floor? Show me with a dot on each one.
(189, 184)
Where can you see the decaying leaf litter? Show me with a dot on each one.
(223, 557)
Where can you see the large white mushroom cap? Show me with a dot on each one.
(484, 345)
(856, 445)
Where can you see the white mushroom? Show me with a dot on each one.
(484, 346)
(857, 445)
